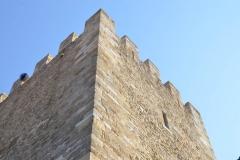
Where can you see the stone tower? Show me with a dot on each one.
(96, 100)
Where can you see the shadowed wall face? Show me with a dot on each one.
(50, 115)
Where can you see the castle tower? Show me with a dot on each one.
(96, 100)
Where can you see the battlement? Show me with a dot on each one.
(97, 100)
(152, 68)
(100, 18)
(43, 63)
(72, 37)
(129, 48)
(3, 96)
(198, 124)
(192, 109)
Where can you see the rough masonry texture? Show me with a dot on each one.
(96, 100)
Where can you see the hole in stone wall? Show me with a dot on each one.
(165, 119)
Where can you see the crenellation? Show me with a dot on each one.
(152, 69)
(173, 91)
(72, 37)
(92, 21)
(15, 85)
(129, 48)
(198, 124)
(100, 18)
(98, 100)
(191, 108)
(3, 96)
(107, 22)
(43, 63)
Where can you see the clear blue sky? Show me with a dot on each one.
(195, 45)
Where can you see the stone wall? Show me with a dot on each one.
(97, 100)
(50, 116)
(129, 104)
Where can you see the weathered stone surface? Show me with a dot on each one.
(97, 100)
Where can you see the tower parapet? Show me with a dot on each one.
(96, 100)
